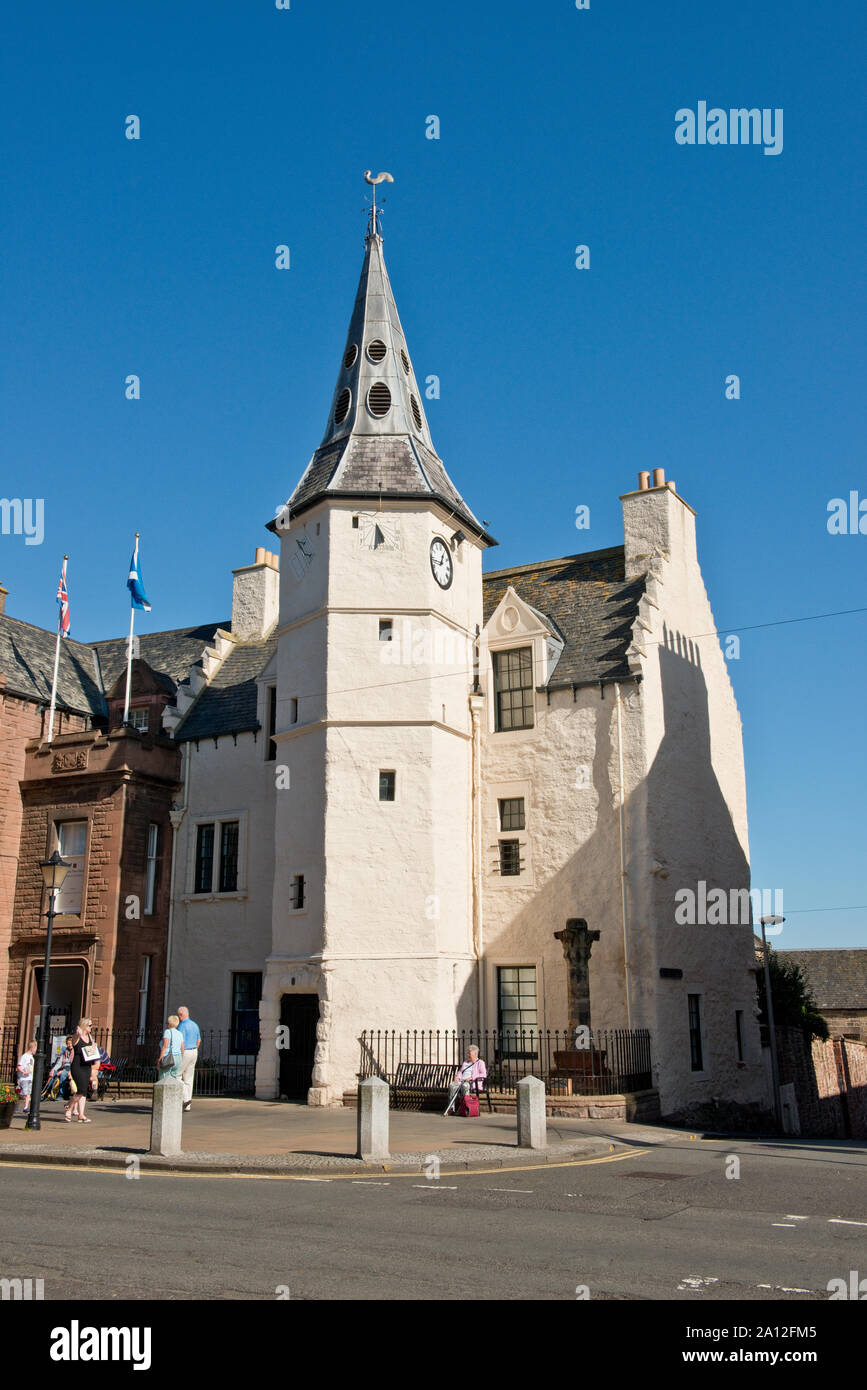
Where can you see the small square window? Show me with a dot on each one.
(512, 813)
(386, 786)
(386, 630)
(298, 891)
(510, 858)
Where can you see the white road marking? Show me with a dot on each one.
(369, 1182)
(787, 1225)
(695, 1283)
(789, 1217)
(781, 1288)
(435, 1187)
(840, 1221)
(526, 1190)
(313, 1180)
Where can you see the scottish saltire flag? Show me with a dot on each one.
(135, 584)
(63, 600)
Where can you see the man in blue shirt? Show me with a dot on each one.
(189, 1031)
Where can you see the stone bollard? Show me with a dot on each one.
(532, 1124)
(372, 1119)
(167, 1117)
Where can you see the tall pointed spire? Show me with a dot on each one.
(377, 443)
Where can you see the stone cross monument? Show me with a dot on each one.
(577, 941)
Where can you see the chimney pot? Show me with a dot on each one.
(260, 555)
(671, 485)
(643, 482)
(659, 477)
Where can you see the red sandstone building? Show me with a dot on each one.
(101, 794)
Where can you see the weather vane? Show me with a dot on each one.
(373, 227)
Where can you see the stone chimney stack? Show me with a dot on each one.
(256, 597)
(3, 593)
(658, 526)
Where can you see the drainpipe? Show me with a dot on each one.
(624, 907)
(476, 702)
(176, 815)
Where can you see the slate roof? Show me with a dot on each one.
(227, 705)
(837, 978)
(171, 653)
(27, 662)
(590, 603)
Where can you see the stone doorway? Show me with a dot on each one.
(300, 1014)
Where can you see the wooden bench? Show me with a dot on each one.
(420, 1081)
(424, 1081)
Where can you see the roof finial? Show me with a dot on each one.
(373, 226)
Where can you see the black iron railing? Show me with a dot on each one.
(614, 1060)
(220, 1070)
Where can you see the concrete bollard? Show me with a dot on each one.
(372, 1119)
(167, 1117)
(532, 1123)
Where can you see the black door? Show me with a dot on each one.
(300, 1014)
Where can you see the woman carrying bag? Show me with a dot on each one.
(83, 1071)
(172, 1050)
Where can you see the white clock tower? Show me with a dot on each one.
(377, 727)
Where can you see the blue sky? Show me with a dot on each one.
(156, 257)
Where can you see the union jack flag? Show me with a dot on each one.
(63, 600)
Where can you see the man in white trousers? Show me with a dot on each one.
(189, 1031)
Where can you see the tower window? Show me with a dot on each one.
(355, 523)
(386, 630)
(386, 786)
(293, 710)
(512, 813)
(298, 898)
(513, 688)
(695, 1054)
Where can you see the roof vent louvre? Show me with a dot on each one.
(416, 413)
(376, 350)
(405, 360)
(379, 399)
(341, 409)
(349, 356)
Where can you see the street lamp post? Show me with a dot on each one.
(769, 1004)
(54, 871)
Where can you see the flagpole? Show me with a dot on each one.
(129, 653)
(56, 665)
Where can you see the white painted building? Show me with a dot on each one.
(425, 772)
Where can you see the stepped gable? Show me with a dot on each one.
(228, 704)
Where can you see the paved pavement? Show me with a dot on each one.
(273, 1136)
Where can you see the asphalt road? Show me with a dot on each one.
(663, 1223)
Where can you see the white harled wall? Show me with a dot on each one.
(386, 936)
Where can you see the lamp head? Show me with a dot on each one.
(54, 871)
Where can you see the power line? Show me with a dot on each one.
(858, 907)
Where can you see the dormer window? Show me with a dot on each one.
(514, 699)
(138, 718)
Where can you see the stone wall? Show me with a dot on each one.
(830, 1083)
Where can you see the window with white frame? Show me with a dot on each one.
(151, 869)
(72, 845)
(143, 996)
(514, 698)
(138, 718)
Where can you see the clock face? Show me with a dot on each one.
(441, 563)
